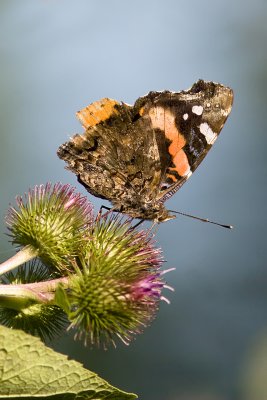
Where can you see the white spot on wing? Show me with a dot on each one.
(197, 110)
(189, 174)
(208, 133)
(185, 116)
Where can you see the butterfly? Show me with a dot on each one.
(138, 156)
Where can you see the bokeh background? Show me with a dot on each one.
(58, 56)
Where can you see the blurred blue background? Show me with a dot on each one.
(58, 56)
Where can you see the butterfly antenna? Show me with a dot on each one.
(202, 219)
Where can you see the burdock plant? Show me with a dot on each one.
(100, 274)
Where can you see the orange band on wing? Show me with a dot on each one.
(164, 120)
(97, 112)
(181, 163)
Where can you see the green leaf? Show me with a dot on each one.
(29, 370)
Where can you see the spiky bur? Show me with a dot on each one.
(38, 319)
(118, 283)
(49, 223)
(108, 278)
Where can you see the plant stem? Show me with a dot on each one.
(22, 295)
(24, 255)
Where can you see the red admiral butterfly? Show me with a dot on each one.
(139, 156)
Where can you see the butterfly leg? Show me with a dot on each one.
(99, 214)
(138, 223)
